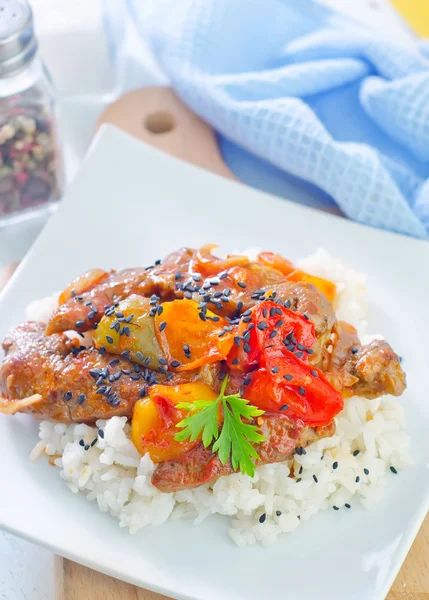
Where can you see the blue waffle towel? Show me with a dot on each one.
(300, 95)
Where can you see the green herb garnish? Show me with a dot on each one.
(235, 437)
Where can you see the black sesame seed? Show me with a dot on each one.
(247, 319)
(101, 389)
(91, 314)
(94, 373)
(117, 375)
(79, 324)
(262, 518)
(94, 441)
(235, 361)
(101, 433)
(109, 339)
(81, 443)
(288, 377)
(202, 316)
(223, 274)
(284, 407)
(147, 361)
(175, 364)
(68, 396)
(178, 275)
(347, 505)
(357, 479)
(81, 398)
(137, 368)
(241, 284)
(366, 471)
(300, 347)
(273, 334)
(300, 470)
(114, 362)
(335, 465)
(163, 370)
(355, 350)
(126, 371)
(125, 354)
(251, 326)
(162, 361)
(135, 376)
(139, 356)
(162, 326)
(394, 470)
(279, 323)
(279, 513)
(299, 354)
(335, 508)
(237, 341)
(309, 351)
(288, 303)
(116, 402)
(142, 392)
(356, 452)
(215, 319)
(247, 381)
(314, 373)
(301, 390)
(299, 479)
(275, 370)
(246, 347)
(315, 479)
(262, 325)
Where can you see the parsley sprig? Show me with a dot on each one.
(235, 437)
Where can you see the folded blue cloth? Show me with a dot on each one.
(334, 111)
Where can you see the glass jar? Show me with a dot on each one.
(30, 164)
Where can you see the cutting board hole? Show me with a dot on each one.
(160, 122)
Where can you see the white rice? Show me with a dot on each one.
(114, 475)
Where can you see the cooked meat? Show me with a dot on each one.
(70, 381)
(369, 371)
(378, 370)
(307, 299)
(83, 311)
(201, 466)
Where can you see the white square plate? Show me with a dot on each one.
(129, 205)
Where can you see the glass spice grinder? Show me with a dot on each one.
(30, 163)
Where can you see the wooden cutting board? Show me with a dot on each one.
(156, 116)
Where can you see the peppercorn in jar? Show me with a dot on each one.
(30, 165)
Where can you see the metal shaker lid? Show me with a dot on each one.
(18, 42)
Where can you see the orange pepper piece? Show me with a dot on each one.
(155, 417)
(180, 326)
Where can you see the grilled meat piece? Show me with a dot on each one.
(83, 311)
(368, 371)
(80, 387)
(201, 466)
